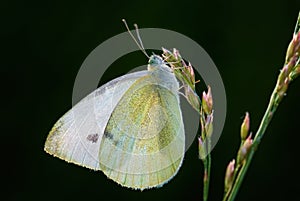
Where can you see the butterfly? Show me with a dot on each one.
(131, 128)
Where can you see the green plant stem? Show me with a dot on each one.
(273, 104)
(287, 74)
(206, 177)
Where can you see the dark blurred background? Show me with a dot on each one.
(45, 43)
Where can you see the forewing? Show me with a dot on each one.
(77, 135)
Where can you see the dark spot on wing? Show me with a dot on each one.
(111, 137)
(108, 135)
(93, 137)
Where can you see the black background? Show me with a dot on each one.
(45, 43)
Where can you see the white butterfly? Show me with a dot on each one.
(130, 128)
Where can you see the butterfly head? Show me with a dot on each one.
(155, 62)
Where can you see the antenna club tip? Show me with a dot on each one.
(123, 20)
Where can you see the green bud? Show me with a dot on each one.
(209, 124)
(295, 73)
(290, 51)
(192, 98)
(207, 101)
(229, 175)
(201, 149)
(244, 150)
(245, 127)
(282, 90)
(293, 48)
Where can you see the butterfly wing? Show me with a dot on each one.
(77, 135)
(143, 142)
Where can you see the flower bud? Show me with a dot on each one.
(245, 127)
(168, 56)
(176, 54)
(191, 70)
(294, 47)
(191, 74)
(192, 98)
(165, 51)
(201, 147)
(290, 50)
(284, 72)
(244, 150)
(209, 124)
(282, 90)
(207, 101)
(229, 175)
(295, 73)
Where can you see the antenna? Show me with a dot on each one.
(138, 35)
(139, 44)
